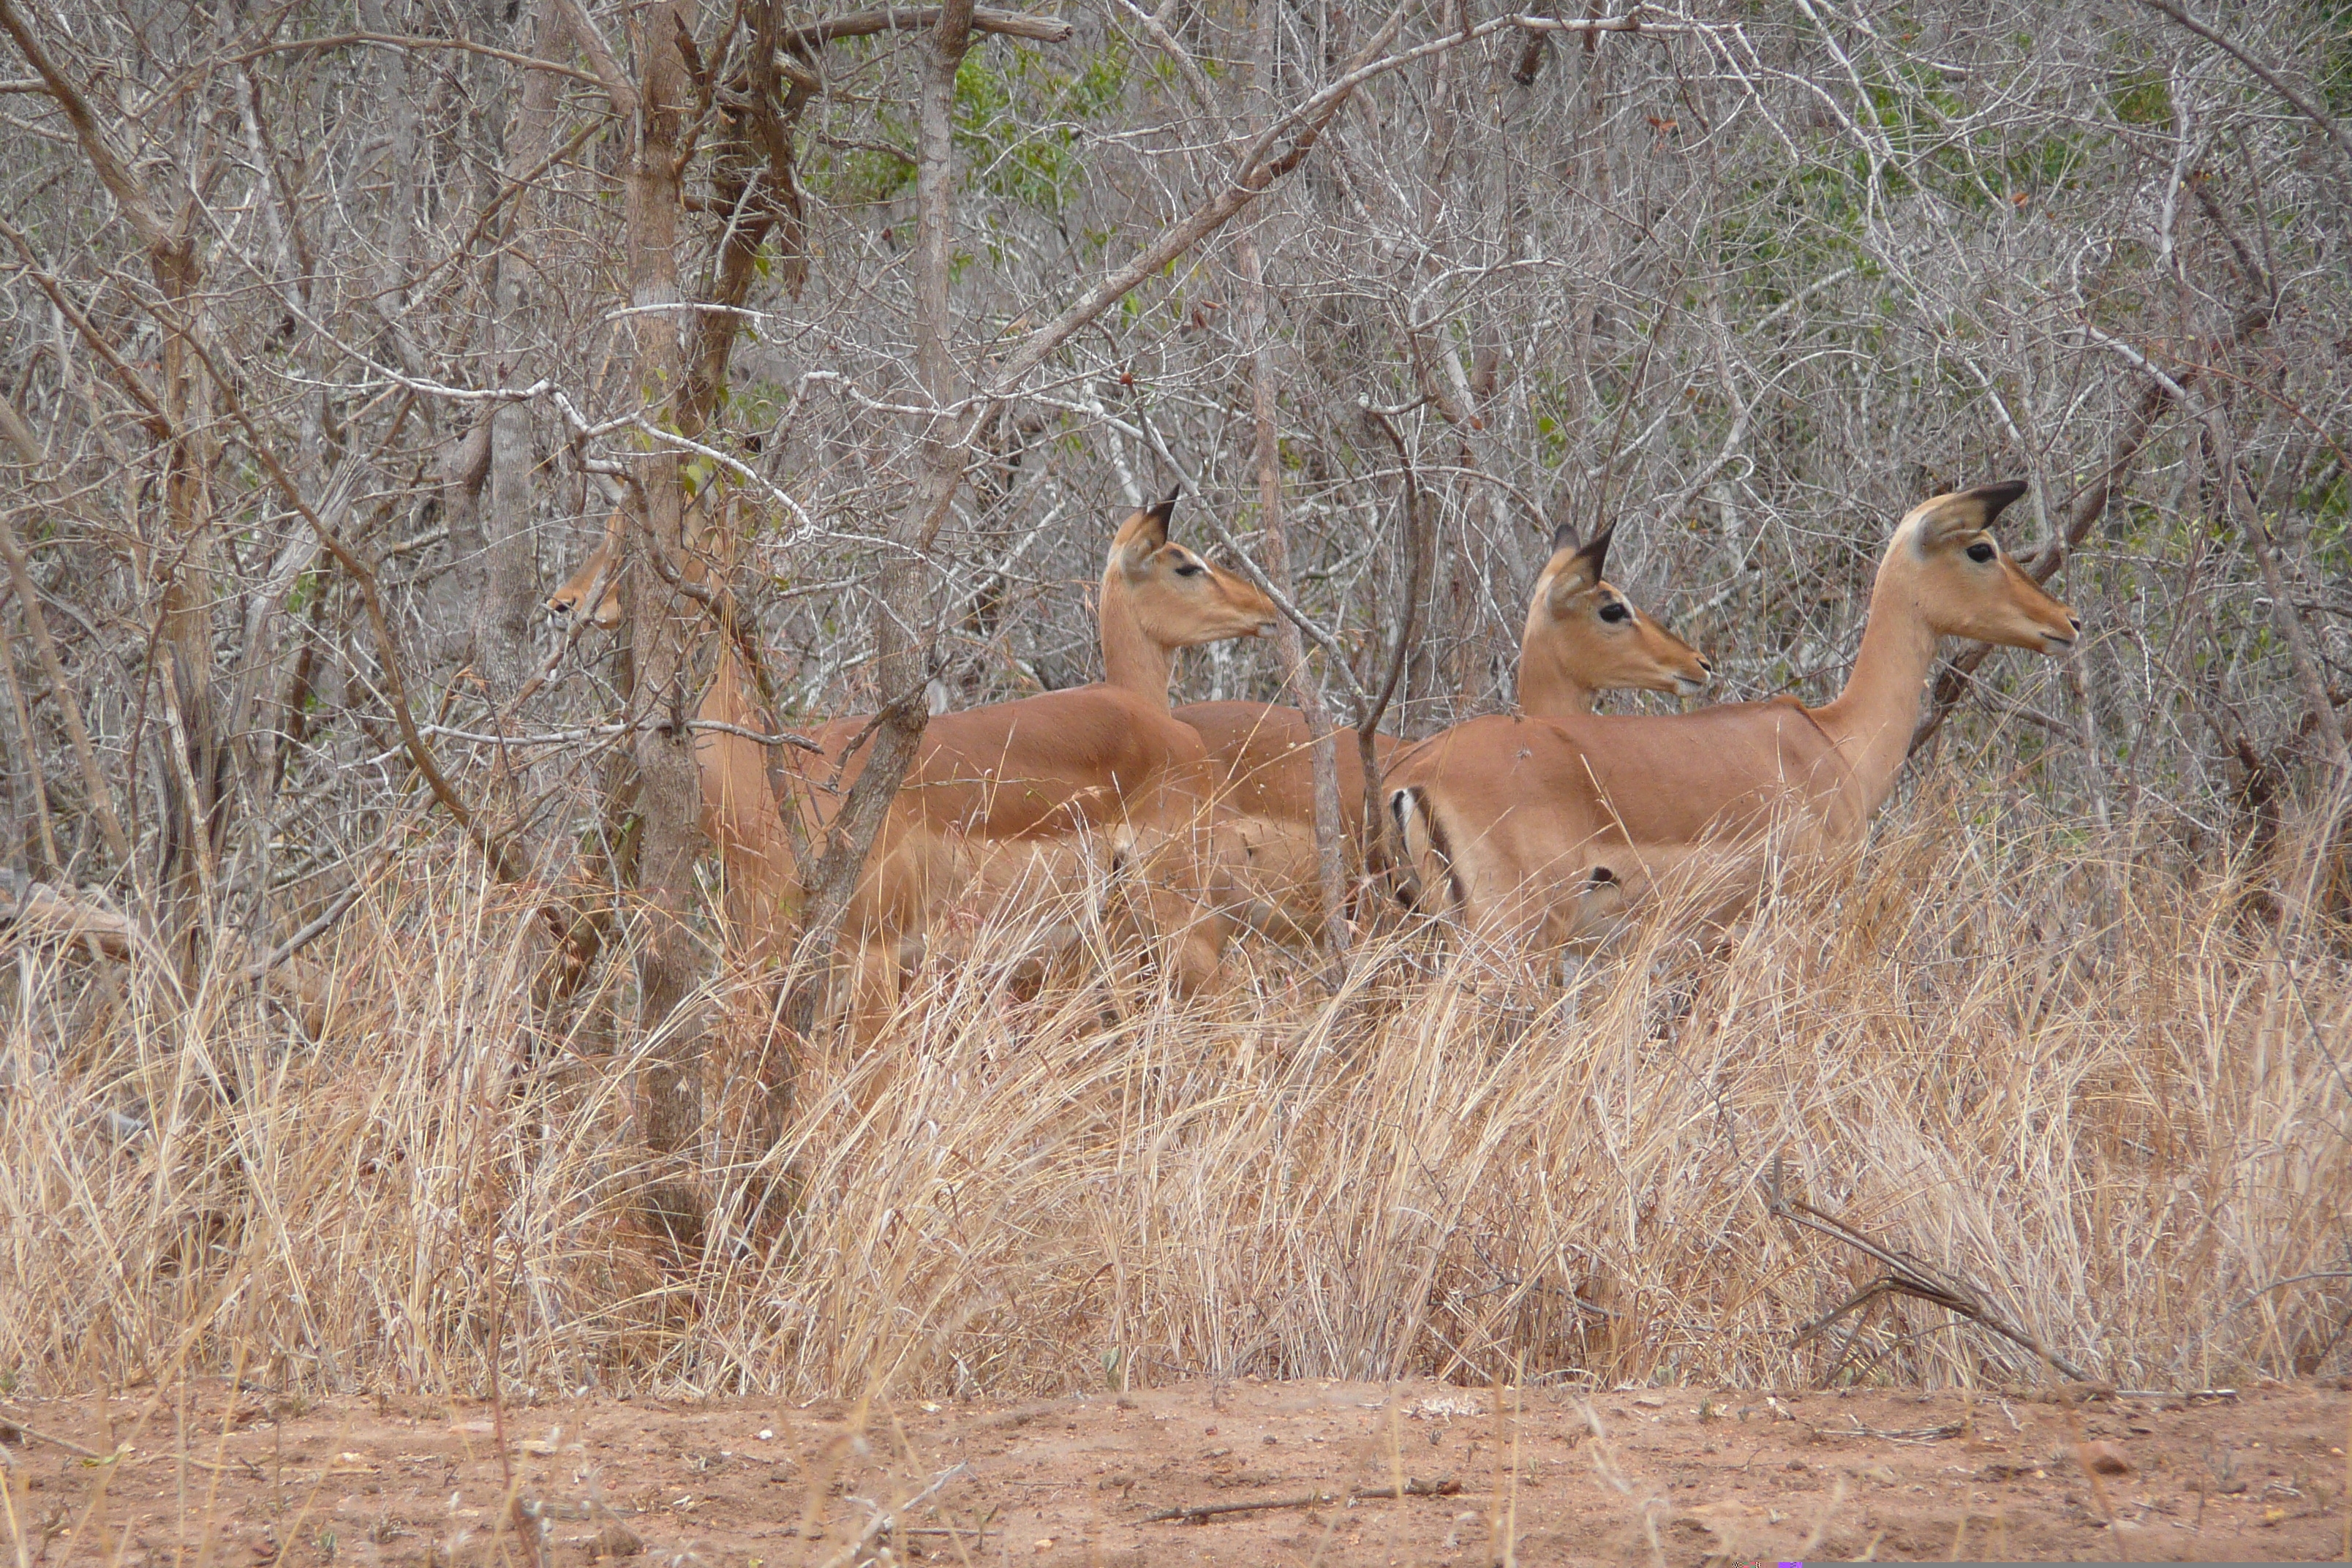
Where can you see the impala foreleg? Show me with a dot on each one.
(1594, 907)
(1175, 891)
(877, 977)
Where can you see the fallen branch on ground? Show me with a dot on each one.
(887, 1519)
(1901, 1435)
(25, 1432)
(1905, 1276)
(1446, 1486)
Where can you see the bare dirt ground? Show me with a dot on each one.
(1722, 1476)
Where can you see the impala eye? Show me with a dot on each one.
(1980, 553)
(1615, 611)
(1191, 569)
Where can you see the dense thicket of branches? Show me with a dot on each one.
(332, 333)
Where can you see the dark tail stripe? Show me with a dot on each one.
(1407, 877)
(1409, 803)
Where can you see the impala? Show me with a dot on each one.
(1000, 796)
(1582, 636)
(1543, 832)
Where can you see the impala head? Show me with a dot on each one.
(1170, 595)
(598, 581)
(1965, 583)
(595, 583)
(1584, 635)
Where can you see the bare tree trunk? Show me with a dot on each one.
(1289, 648)
(663, 632)
(501, 630)
(497, 457)
(465, 472)
(901, 649)
(194, 815)
(20, 436)
(49, 861)
(1418, 538)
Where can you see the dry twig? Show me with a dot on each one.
(1905, 1276)
(1445, 1487)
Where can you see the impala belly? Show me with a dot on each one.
(1261, 753)
(1537, 811)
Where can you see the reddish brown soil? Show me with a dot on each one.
(1721, 1477)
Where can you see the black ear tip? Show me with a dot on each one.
(1996, 497)
(1596, 549)
(1564, 538)
(1165, 507)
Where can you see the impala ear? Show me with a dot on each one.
(1564, 538)
(1144, 535)
(1965, 512)
(1582, 574)
(1596, 554)
(1995, 497)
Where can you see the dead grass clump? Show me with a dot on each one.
(2088, 1083)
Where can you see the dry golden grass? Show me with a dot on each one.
(2085, 1079)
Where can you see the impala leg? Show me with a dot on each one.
(877, 973)
(1056, 883)
(1214, 877)
(1603, 907)
(1171, 892)
(1185, 935)
(1197, 953)
(1275, 881)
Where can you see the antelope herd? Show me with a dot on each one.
(1541, 831)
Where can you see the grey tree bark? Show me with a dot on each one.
(1274, 553)
(901, 649)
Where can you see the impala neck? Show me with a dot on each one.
(1873, 719)
(1132, 660)
(730, 694)
(1546, 690)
